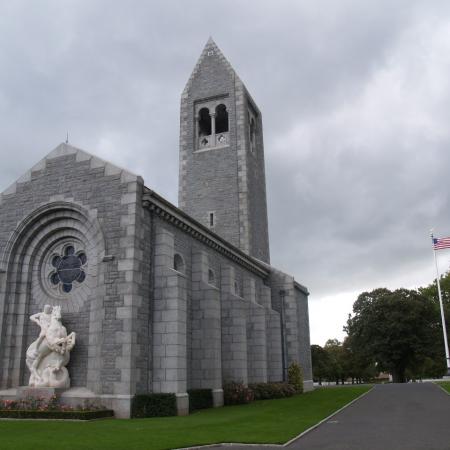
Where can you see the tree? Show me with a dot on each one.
(438, 366)
(320, 363)
(395, 329)
(431, 292)
(337, 365)
(359, 366)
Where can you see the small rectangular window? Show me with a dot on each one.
(211, 219)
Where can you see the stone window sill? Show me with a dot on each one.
(217, 147)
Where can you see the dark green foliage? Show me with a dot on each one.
(267, 391)
(200, 399)
(154, 405)
(320, 363)
(357, 365)
(295, 377)
(54, 414)
(437, 367)
(431, 291)
(398, 332)
(338, 361)
(237, 394)
(396, 329)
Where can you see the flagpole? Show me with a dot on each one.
(444, 329)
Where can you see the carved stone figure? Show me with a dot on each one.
(48, 355)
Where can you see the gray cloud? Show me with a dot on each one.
(355, 102)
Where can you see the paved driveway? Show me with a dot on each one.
(390, 417)
(412, 416)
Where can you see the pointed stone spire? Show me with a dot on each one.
(209, 47)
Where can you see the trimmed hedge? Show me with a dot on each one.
(200, 399)
(154, 405)
(267, 391)
(73, 415)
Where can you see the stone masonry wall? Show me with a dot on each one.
(292, 302)
(74, 196)
(256, 187)
(303, 331)
(231, 330)
(206, 362)
(169, 319)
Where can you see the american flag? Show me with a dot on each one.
(441, 243)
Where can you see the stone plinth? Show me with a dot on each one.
(24, 392)
(182, 404)
(217, 398)
(81, 396)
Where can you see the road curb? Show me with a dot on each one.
(237, 444)
(327, 418)
(440, 387)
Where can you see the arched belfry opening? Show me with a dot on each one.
(212, 122)
(221, 119)
(204, 123)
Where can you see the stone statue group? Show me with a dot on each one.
(48, 355)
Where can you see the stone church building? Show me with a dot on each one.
(162, 298)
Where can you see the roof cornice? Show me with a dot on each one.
(178, 218)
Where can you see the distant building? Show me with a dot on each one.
(163, 299)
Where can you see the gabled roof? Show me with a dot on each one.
(64, 149)
(210, 46)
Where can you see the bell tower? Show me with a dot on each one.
(222, 180)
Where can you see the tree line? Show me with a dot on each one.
(398, 332)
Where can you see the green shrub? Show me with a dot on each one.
(154, 405)
(295, 377)
(54, 414)
(237, 394)
(267, 391)
(200, 399)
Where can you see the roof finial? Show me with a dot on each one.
(67, 137)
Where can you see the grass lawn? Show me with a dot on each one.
(264, 421)
(445, 385)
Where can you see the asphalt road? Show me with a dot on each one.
(412, 416)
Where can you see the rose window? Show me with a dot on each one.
(68, 268)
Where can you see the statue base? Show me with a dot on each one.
(24, 392)
(75, 397)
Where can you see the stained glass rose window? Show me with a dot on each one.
(68, 268)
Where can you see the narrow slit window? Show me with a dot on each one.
(211, 219)
(237, 290)
(252, 134)
(178, 263)
(211, 277)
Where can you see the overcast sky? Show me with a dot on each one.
(355, 98)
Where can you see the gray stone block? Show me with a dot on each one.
(182, 404)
